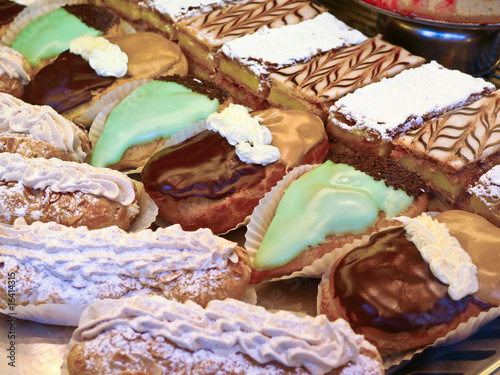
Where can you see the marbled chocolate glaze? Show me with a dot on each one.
(220, 26)
(386, 284)
(463, 136)
(9, 10)
(337, 73)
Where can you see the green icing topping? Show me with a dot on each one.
(49, 35)
(155, 110)
(330, 199)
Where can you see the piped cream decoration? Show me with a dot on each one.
(228, 327)
(41, 122)
(252, 140)
(447, 260)
(105, 58)
(64, 176)
(12, 65)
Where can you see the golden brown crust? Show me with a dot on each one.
(70, 209)
(390, 343)
(333, 242)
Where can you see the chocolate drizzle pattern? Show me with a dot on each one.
(224, 25)
(338, 72)
(463, 136)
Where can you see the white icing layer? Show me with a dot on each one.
(64, 176)
(286, 45)
(448, 261)
(230, 326)
(81, 256)
(42, 123)
(105, 58)
(386, 105)
(488, 186)
(187, 8)
(252, 140)
(12, 64)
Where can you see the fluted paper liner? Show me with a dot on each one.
(462, 332)
(148, 211)
(40, 8)
(262, 216)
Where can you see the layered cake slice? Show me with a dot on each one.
(371, 118)
(245, 63)
(162, 15)
(485, 196)
(452, 152)
(316, 84)
(202, 36)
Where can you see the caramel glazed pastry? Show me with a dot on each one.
(69, 193)
(142, 335)
(39, 131)
(216, 178)
(410, 285)
(15, 72)
(64, 265)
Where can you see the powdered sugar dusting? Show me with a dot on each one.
(488, 186)
(179, 9)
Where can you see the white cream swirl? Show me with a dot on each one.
(42, 123)
(12, 64)
(79, 255)
(252, 140)
(65, 176)
(448, 261)
(105, 58)
(228, 327)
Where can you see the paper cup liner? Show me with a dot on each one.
(148, 211)
(49, 313)
(262, 216)
(462, 332)
(31, 12)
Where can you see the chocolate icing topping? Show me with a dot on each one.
(385, 169)
(94, 16)
(386, 284)
(200, 86)
(65, 83)
(9, 10)
(204, 165)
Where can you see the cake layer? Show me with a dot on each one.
(372, 117)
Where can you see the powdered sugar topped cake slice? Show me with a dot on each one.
(385, 110)
(179, 9)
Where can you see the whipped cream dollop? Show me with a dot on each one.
(448, 261)
(251, 139)
(42, 123)
(105, 58)
(488, 186)
(229, 327)
(65, 176)
(12, 64)
(80, 255)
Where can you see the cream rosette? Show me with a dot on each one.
(462, 332)
(262, 216)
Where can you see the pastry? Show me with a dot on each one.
(216, 178)
(79, 266)
(410, 285)
(202, 36)
(316, 84)
(371, 118)
(39, 131)
(46, 36)
(456, 11)
(452, 152)
(69, 193)
(8, 11)
(227, 337)
(246, 63)
(162, 16)
(15, 72)
(82, 75)
(162, 107)
(333, 205)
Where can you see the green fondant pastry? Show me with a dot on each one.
(49, 35)
(155, 110)
(330, 199)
